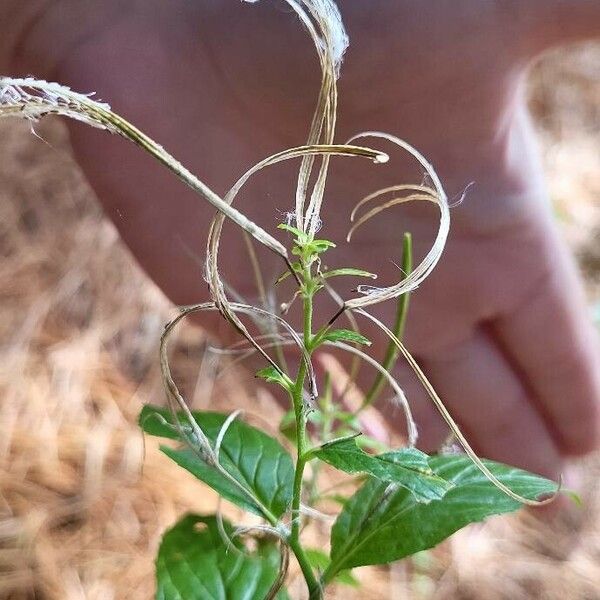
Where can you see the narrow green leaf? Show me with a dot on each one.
(282, 277)
(349, 272)
(320, 246)
(382, 523)
(302, 237)
(309, 250)
(255, 460)
(195, 563)
(407, 467)
(271, 375)
(295, 266)
(366, 442)
(319, 561)
(346, 335)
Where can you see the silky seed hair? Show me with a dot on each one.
(32, 99)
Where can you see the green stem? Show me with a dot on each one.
(314, 588)
(301, 448)
(391, 353)
(326, 408)
(307, 321)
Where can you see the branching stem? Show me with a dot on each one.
(392, 352)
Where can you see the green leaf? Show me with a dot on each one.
(261, 466)
(271, 375)
(297, 232)
(310, 249)
(407, 467)
(194, 563)
(297, 269)
(301, 237)
(382, 523)
(346, 335)
(366, 442)
(320, 246)
(350, 272)
(320, 561)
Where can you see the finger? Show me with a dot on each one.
(551, 341)
(486, 398)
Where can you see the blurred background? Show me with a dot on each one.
(84, 498)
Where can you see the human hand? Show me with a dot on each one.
(500, 326)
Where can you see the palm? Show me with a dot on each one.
(498, 326)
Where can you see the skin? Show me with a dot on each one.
(501, 326)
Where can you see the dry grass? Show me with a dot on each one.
(79, 326)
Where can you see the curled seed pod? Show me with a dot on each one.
(32, 99)
(212, 272)
(372, 294)
(454, 428)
